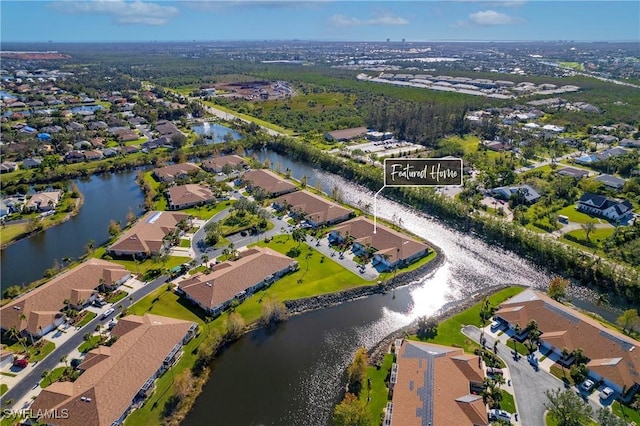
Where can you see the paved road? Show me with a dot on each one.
(34, 376)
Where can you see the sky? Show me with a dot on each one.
(324, 20)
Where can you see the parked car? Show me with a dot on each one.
(495, 326)
(20, 363)
(606, 393)
(587, 385)
(493, 371)
(106, 313)
(496, 414)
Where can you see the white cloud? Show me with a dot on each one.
(121, 12)
(487, 18)
(498, 3)
(383, 18)
(218, 5)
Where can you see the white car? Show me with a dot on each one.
(106, 313)
(587, 385)
(496, 414)
(495, 326)
(606, 393)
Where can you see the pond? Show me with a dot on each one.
(215, 133)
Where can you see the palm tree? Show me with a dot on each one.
(23, 317)
(15, 334)
(64, 360)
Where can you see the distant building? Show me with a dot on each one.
(216, 164)
(435, 385)
(600, 205)
(175, 171)
(573, 172)
(270, 182)
(346, 134)
(611, 181)
(529, 194)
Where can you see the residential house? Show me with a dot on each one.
(529, 194)
(8, 166)
(612, 356)
(573, 172)
(44, 201)
(129, 149)
(346, 134)
(270, 182)
(39, 311)
(435, 385)
(316, 210)
(390, 248)
(74, 156)
(167, 128)
(30, 163)
(216, 164)
(600, 205)
(175, 171)
(497, 146)
(185, 196)
(156, 143)
(256, 268)
(611, 181)
(611, 152)
(126, 135)
(630, 143)
(92, 155)
(146, 237)
(118, 379)
(110, 152)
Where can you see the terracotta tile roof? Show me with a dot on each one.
(113, 376)
(613, 355)
(145, 237)
(388, 242)
(174, 171)
(44, 303)
(269, 181)
(433, 387)
(189, 194)
(232, 277)
(216, 164)
(316, 208)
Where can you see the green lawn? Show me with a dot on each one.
(88, 316)
(449, 330)
(551, 422)
(576, 216)
(10, 231)
(37, 352)
(184, 242)
(626, 413)
(561, 373)
(165, 303)
(207, 212)
(508, 404)
(89, 344)
(141, 267)
(3, 388)
(378, 393)
(598, 234)
(233, 223)
(117, 296)
(52, 377)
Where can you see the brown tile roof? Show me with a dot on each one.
(347, 134)
(269, 181)
(43, 304)
(315, 207)
(433, 386)
(113, 375)
(388, 242)
(174, 171)
(230, 278)
(189, 194)
(146, 235)
(612, 354)
(216, 164)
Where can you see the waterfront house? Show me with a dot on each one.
(44, 201)
(175, 171)
(390, 249)
(256, 268)
(119, 378)
(39, 311)
(270, 182)
(600, 205)
(435, 385)
(30, 163)
(216, 164)
(316, 210)
(185, 196)
(612, 357)
(147, 236)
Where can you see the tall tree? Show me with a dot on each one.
(588, 227)
(567, 408)
(558, 288)
(606, 418)
(628, 320)
(351, 412)
(357, 370)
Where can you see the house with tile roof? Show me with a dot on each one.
(613, 357)
(146, 237)
(185, 196)
(44, 201)
(390, 248)
(270, 182)
(216, 164)
(256, 268)
(600, 205)
(118, 379)
(346, 134)
(435, 385)
(316, 210)
(529, 194)
(40, 310)
(175, 171)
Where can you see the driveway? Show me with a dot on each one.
(529, 385)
